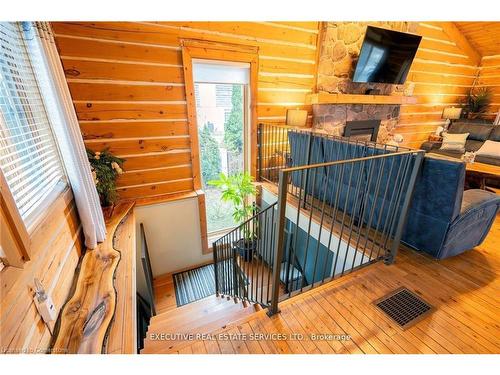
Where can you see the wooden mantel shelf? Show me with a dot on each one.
(327, 98)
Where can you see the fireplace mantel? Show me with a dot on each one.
(328, 98)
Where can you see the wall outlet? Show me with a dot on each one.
(44, 304)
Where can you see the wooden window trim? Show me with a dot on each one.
(15, 225)
(200, 49)
(25, 239)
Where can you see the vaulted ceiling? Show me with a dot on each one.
(483, 36)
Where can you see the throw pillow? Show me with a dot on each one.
(490, 149)
(454, 142)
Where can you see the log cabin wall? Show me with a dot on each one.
(57, 246)
(443, 73)
(126, 81)
(489, 76)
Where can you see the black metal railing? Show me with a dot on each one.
(274, 149)
(341, 205)
(243, 258)
(341, 216)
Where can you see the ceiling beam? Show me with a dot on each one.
(454, 33)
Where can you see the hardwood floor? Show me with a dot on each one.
(463, 289)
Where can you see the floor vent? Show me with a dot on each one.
(404, 307)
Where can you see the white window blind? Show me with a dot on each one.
(29, 158)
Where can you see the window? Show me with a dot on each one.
(29, 158)
(221, 94)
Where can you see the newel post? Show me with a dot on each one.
(279, 241)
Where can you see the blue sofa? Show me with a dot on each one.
(443, 219)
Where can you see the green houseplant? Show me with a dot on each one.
(105, 169)
(238, 189)
(477, 102)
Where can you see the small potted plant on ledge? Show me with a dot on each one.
(238, 189)
(105, 169)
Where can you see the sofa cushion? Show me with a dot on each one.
(458, 128)
(495, 133)
(451, 154)
(477, 131)
(472, 145)
(490, 149)
(487, 160)
(454, 142)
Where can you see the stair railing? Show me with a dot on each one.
(343, 215)
(243, 259)
(336, 215)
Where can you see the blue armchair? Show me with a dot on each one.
(444, 220)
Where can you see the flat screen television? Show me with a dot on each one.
(385, 56)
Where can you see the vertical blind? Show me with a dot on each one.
(29, 158)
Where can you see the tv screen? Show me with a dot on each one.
(385, 56)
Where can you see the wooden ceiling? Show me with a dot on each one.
(483, 36)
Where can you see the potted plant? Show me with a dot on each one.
(105, 169)
(477, 103)
(238, 188)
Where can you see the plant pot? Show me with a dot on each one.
(107, 211)
(246, 248)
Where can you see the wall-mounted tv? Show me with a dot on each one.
(385, 56)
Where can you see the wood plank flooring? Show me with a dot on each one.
(463, 289)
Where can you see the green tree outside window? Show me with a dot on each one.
(210, 157)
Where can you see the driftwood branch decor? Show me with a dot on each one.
(86, 317)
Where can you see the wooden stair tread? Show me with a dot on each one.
(195, 308)
(182, 322)
(203, 317)
(186, 309)
(214, 328)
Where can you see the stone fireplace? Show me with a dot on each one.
(331, 118)
(339, 50)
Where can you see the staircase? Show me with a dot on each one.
(169, 332)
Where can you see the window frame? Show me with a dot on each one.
(22, 230)
(14, 223)
(218, 51)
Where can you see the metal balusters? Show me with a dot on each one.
(373, 205)
(306, 253)
(320, 227)
(365, 198)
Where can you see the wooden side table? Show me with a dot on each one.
(435, 138)
(477, 173)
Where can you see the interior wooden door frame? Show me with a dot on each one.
(200, 49)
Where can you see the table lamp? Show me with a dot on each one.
(450, 114)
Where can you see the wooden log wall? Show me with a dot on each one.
(57, 248)
(489, 76)
(126, 81)
(443, 72)
(127, 84)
